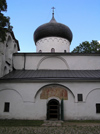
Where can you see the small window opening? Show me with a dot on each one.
(5, 70)
(6, 45)
(40, 51)
(80, 97)
(98, 108)
(6, 107)
(52, 50)
(15, 46)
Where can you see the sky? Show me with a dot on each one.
(81, 16)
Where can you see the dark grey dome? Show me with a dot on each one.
(52, 29)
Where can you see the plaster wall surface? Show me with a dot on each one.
(25, 102)
(71, 62)
(1, 64)
(7, 48)
(59, 44)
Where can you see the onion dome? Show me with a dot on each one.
(53, 29)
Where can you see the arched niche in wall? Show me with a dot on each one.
(93, 95)
(15, 101)
(54, 91)
(7, 92)
(53, 62)
(92, 104)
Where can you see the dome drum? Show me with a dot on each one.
(57, 44)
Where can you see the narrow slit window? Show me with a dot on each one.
(80, 97)
(6, 106)
(98, 108)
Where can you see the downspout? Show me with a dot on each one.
(24, 61)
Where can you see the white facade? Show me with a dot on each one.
(32, 99)
(53, 44)
(25, 102)
(24, 97)
(56, 61)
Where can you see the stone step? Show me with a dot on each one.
(52, 123)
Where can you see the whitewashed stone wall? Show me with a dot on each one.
(25, 102)
(59, 44)
(6, 54)
(71, 62)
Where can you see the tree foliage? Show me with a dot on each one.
(4, 21)
(3, 5)
(88, 47)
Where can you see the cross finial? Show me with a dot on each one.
(53, 11)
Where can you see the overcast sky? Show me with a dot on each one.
(81, 16)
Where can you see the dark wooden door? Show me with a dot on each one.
(53, 111)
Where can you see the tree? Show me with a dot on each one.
(4, 21)
(86, 47)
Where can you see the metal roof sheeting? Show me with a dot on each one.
(52, 75)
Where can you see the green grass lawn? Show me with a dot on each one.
(14, 123)
(17, 123)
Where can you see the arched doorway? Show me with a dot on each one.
(53, 110)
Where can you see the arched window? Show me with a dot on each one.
(40, 51)
(52, 50)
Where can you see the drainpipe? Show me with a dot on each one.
(62, 109)
(24, 61)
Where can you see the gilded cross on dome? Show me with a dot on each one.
(53, 8)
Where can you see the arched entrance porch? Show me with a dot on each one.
(56, 94)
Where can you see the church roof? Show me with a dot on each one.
(55, 75)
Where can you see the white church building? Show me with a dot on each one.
(51, 83)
